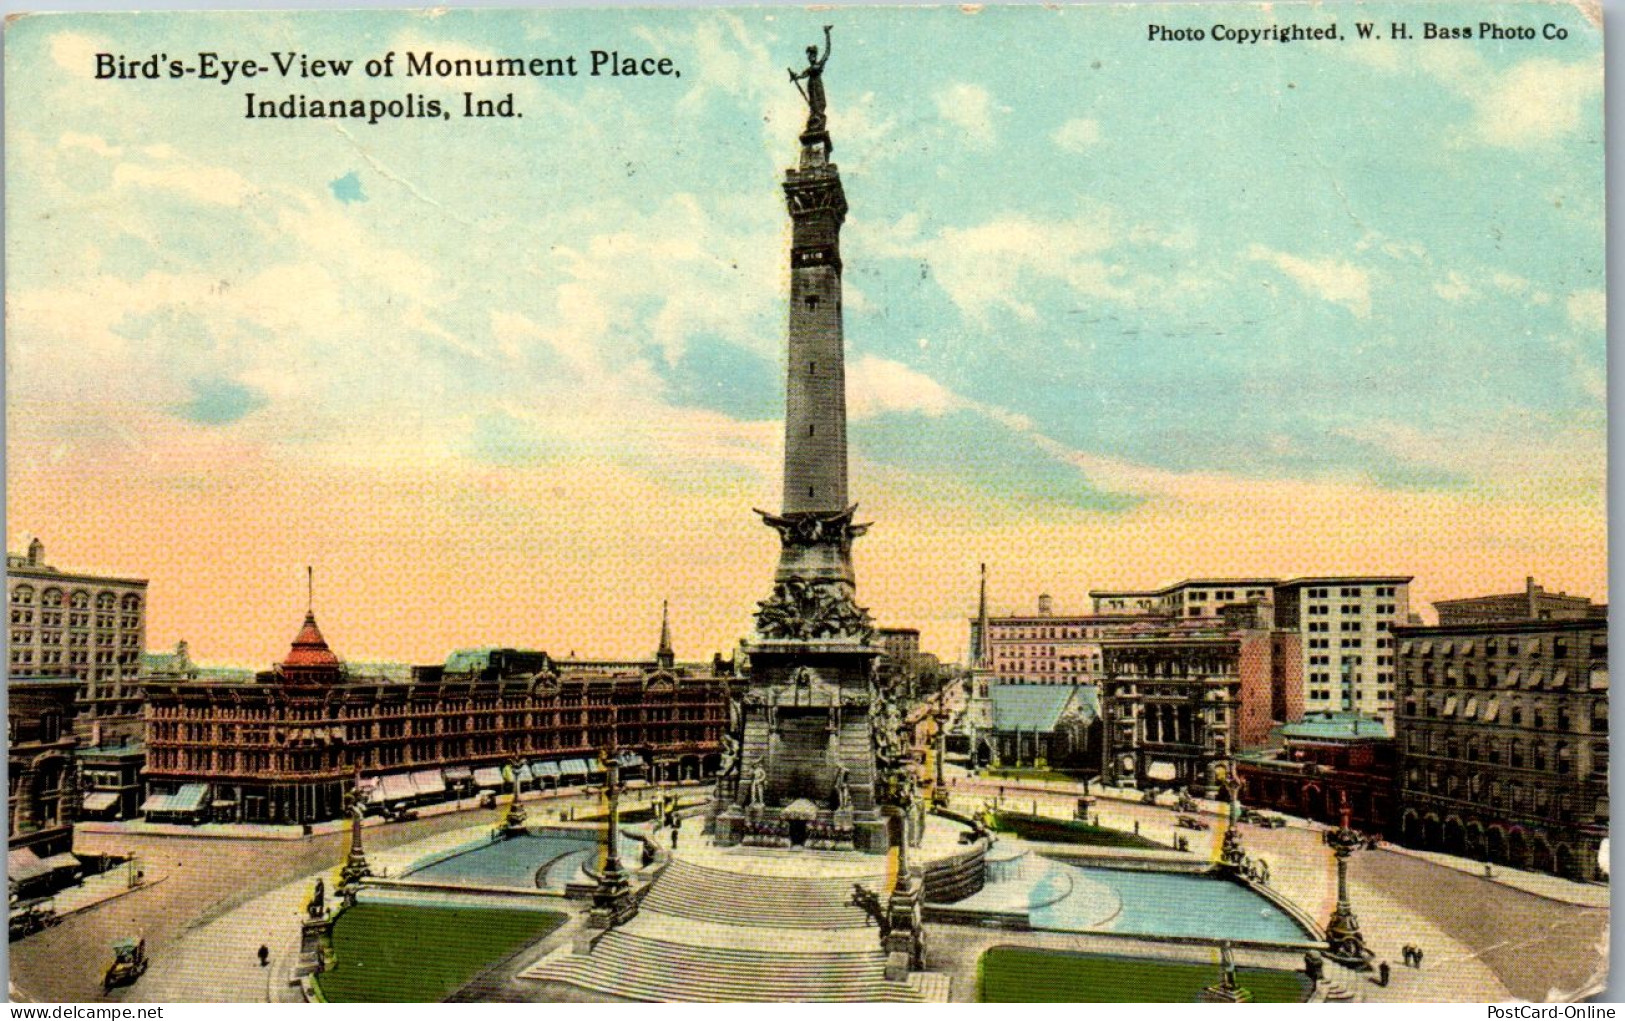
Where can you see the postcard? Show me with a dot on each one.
(1097, 503)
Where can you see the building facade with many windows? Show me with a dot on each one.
(89, 627)
(286, 748)
(1503, 736)
(1346, 625)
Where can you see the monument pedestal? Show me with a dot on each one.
(315, 934)
(1221, 994)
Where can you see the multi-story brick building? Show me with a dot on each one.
(1503, 734)
(1050, 648)
(85, 626)
(1324, 759)
(287, 747)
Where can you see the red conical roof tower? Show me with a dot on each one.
(310, 661)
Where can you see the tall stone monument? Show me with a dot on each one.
(816, 739)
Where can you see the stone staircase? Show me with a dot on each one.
(763, 901)
(639, 968)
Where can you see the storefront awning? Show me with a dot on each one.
(525, 775)
(100, 801)
(574, 767)
(429, 781)
(398, 787)
(457, 774)
(189, 798)
(23, 864)
(631, 760)
(156, 803)
(488, 776)
(61, 862)
(542, 769)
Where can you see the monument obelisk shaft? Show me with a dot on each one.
(817, 742)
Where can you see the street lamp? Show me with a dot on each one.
(1343, 931)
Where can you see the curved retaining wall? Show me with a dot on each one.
(951, 879)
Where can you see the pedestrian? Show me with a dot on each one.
(676, 832)
(265, 955)
(1418, 957)
(1136, 827)
(1382, 974)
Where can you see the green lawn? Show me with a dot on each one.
(399, 953)
(1025, 975)
(1066, 831)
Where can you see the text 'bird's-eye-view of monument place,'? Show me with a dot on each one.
(1200, 785)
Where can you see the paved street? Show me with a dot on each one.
(253, 889)
(220, 899)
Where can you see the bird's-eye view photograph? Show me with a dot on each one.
(1097, 503)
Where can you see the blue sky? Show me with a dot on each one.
(1098, 289)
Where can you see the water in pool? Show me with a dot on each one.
(1080, 898)
(547, 861)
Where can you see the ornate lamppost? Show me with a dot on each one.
(513, 824)
(940, 715)
(612, 900)
(1343, 931)
(356, 867)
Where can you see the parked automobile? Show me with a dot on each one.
(129, 963)
(1264, 819)
(1190, 822)
(32, 917)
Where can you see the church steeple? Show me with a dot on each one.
(981, 655)
(665, 658)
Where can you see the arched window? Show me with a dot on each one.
(131, 603)
(80, 600)
(105, 600)
(1562, 756)
(1517, 714)
(1515, 753)
(1539, 754)
(23, 594)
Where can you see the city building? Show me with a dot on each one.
(1346, 625)
(1054, 726)
(1178, 703)
(43, 783)
(89, 627)
(1193, 597)
(1533, 603)
(1323, 760)
(287, 747)
(1503, 733)
(1050, 648)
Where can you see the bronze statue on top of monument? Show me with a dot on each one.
(808, 718)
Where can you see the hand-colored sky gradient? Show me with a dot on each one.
(1117, 313)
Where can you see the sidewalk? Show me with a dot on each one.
(99, 889)
(1539, 884)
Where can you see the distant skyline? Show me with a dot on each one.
(1117, 313)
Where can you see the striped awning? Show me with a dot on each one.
(22, 864)
(156, 803)
(574, 767)
(457, 774)
(548, 768)
(100, 801)
(398, 787)
(488, 776)
(429, 781)
(189, 798)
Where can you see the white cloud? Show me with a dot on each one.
(1077, 134)
(970, 109)
(1340, 283)
(76, 53)
(879, 385)
(1455, 288)
(1588, 309)
(1537, 101)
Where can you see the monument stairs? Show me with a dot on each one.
(767, 901)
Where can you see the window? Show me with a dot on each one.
(1599, 717)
